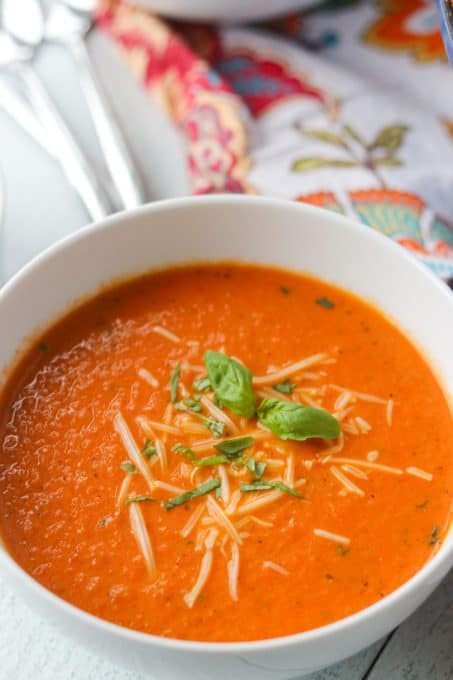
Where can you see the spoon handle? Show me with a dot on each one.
(119, 162)
(23, 115)
(72, 160)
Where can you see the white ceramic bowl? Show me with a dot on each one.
(226, 11)
(256, 230)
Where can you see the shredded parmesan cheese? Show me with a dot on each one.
(124, 489)
(370, 466)
(268, 392)
(372, 456)
(218, 414)
(235, 498)
(203, 575)
(260, 501)
(148, 377)
(289, 472)
(161, 453)
(355, 472)
(306, 399)
(336, 538)
(166, 334)
(350, 428)
(342, 400)
(131, 447)
(418, 472)
(171, 488)
(233, 572)
(216, 511)
(332, 450)
(148, 426)
(225, 485)
(142, 537)
(359, 395)
(389, 412)
(363, 425)
(277, 376)
(189, 526)
(346, 482)
(256, 520)
(275, 567)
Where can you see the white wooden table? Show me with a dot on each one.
(40, 208)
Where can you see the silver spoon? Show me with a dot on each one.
(23, 27)
(68, 23)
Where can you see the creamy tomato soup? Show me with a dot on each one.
(224, 453)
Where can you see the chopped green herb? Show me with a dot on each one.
(43, 347)
(286, 387)
(284, 290)
(174, 382)
(423, 504)
(231, 382)
(202, 384)
(325, 302)
(215, 426)
(208, 460)
(434, 535)
(263, 485)
(205, 488)
(149, 450)
(139, 499)
(218, 492)
(288, 420)
(255, 467)
(233, 447)
(192, 405)
(128, 467)
(341, 550)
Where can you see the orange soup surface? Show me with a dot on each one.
(110, 420)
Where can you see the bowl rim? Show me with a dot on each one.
(436, 566)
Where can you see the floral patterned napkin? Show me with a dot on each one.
(347, 106)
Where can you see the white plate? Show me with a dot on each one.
(225, 11)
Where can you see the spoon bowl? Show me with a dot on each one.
(26, 28)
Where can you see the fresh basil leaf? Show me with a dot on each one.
(205, 488)
(255, 467)
(139, 499)
(288, 420)
(263, 485)
(202, 384)
(233, 447)
(286, 387)
(325, 302)
(232, 383)
(128, 467)
(174, 382)
(149, 450)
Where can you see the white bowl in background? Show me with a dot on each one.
(256, 230)
(224, 11)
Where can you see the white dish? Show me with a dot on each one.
(258, 230)
(228, 11)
